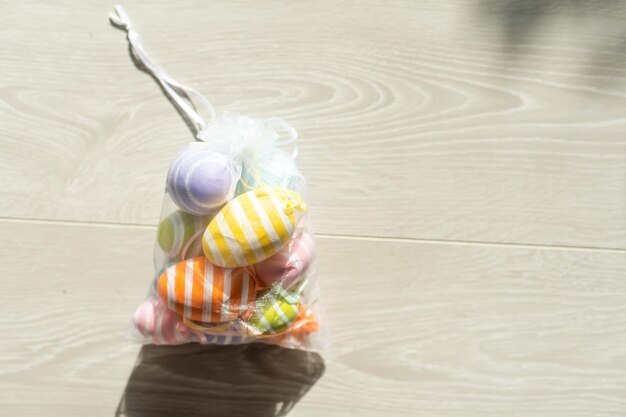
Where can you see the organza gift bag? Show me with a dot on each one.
(235, 251)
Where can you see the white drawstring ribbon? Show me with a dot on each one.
(121, 19)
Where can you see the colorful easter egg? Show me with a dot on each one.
(275, 168)
(224, 333)
(289, 263)
(201, 179)
(212, 339)
(175, 234)
(159, 325)
(199, 290)
(252, 227)
(275, 311)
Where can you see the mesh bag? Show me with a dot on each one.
(235, 251)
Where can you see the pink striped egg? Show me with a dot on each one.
(160, 325)
(290, 262)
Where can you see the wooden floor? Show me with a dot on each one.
(467, 171)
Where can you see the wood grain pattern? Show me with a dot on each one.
(432, 329)
(467, 169)
(474, 121)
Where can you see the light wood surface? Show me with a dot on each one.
(442, 330)
(467, 172)
(429, 111)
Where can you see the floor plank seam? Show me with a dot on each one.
(475, 243)
(79, 223)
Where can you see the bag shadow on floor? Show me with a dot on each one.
(242, 380)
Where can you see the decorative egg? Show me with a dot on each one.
(289, 263)
(201, 179)
(274, 313)
(275, 168)
(252, 227)
(200, 291)
(213, 339)
(175, 234)
(225, 333)
(159, 325)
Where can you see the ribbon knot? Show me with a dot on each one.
(120, 18)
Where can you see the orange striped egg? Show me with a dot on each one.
(199, 290)
(252, 227)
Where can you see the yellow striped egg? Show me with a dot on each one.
(252, 227)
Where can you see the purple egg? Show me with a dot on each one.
(201, 179)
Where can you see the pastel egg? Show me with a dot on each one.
(289, 263)
(212, 339)
(274, 313)
(201, 179)
(270, 169)
(227, 333)
(252, 227)
(175, 234)
(199, 290)
(159, 325)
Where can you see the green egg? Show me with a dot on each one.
(165, 234)
(275, 312)
(177, 229)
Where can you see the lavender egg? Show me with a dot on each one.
(201, 179)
